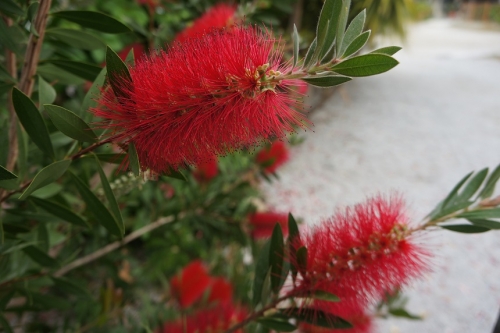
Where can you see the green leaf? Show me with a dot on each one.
(261, 269)
(60, 211)
(302, 259)
(5, 76)
(277, 323)
(47, 191)
(47, 175)
(494, 225)
(365, 65)
(6, 174)
(489, 188)
(327, 80)
(7, 39)
(464, 228)
(110, 196)
(481, 214)
(76, 38)
(310, 52)
(342, 21)
(70, 124)
(22, 157)
(357, 44)
(46, 93)
(81, 69)
(111, 158)
(5, 88)
(70, 287)
(89, 100)
(354, 30)
(443, 208)
(472, 186)
(324, 296)
(321, 39)
(296, 41)
(404, 314)
(40, 257)
(53, 73)
(118, 74)
(94, 20)
(293, 228)
(32, 11)
(328, 25)
(276, 258)
(11, 8)
(133, 159)
(96, 207)
(317, 317)
(32, 121)
(389, 50)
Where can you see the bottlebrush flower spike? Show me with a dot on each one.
(362, 252)
(273, 156)
(263, 224)
(206, 170)
(206, 96)
(221, 291)
(218, 17)
(213, 320)
(190, 284)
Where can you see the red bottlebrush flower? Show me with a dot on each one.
(206, 96)
(190, 284)
(219, 16)
(272, 157)
(362, 252)
(221, 291)
(352, 312)
(206, 170)
(263, 224)
(214, 320)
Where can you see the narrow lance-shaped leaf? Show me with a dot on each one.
(81, 69)
(276, 258)
(32, 121)
(342, 21)
(90, 97)
(494, 225)
(309, 55)
(296, 41)
(327, 81)
(133, 159)
(6, 174)
(404, 314)
(22, 157)
(6, 38)
(277, 322)
(324, 296)
(110, 196)
(70, 124)
(118, 74)
(354, 29)
(40, 257)
(293, 239)
(442, 208)
(261, 269)
(70, 287)
(389, 50)
(472, 186)
(317, 317)
(357, 44)
(489, 188)
(321, 39)
(47, 175)
(451, 197)
(46, 93)
(365, 65)
(97, 208)
(94, 20)
(11, 8)
(60, 211)
(76, 38)
(481, 214)
(464, 228)
(302, 259)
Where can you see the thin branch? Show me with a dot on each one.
(113, 246)
(34, 47)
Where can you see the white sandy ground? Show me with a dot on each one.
(418, 130)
